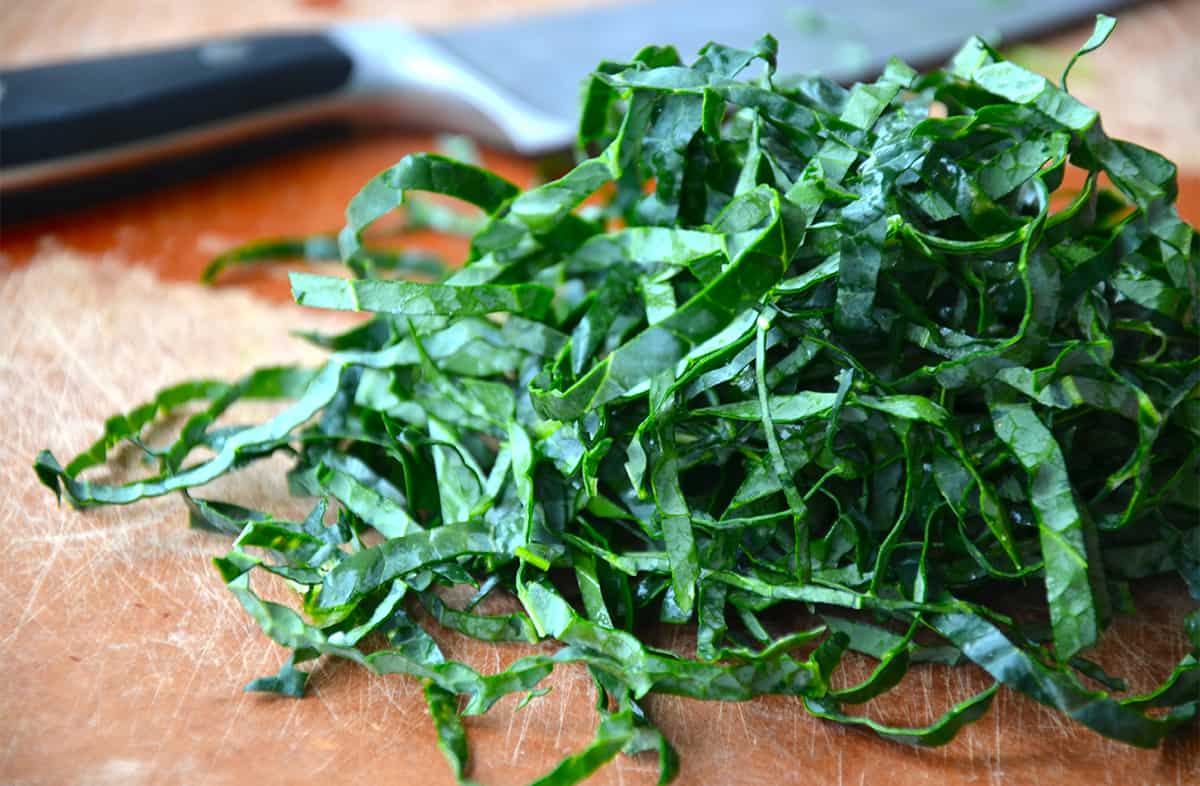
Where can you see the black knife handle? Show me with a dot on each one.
(51, 112)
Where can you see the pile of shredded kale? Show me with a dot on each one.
(855, 353)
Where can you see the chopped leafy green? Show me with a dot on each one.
(822, 350)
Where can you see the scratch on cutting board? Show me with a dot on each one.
(320, 696)
(83, 367)
(98, 695)
(233, 719)
(285, 728)
(563, 703)
(741, 709)
(996, 772)
(525, 719)
(198, 660)
(83, 536)
(28, 613)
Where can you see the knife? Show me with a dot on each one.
(513, 85)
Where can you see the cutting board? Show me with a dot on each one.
(123, 657)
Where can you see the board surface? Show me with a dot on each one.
(122, 657)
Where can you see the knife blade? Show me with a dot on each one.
(512, 84)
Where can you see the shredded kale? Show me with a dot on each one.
(855, 353)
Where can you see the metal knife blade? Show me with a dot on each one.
(543, 60)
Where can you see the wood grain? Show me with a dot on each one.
(123, 657)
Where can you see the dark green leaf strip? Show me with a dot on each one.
(783, 473)
(1061, 528)
(452, 737)
(423, 172)
(940, 732)
(407, 298)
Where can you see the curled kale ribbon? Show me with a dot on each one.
(778, 349)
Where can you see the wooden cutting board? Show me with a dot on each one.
(122, 658)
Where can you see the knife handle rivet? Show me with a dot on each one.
(223, 53)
